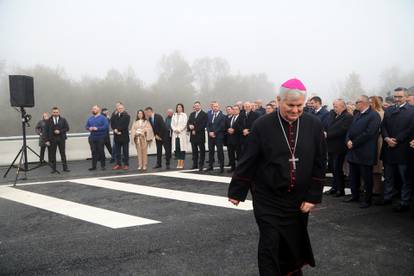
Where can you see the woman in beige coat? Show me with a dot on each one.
(141, 136)
(378, 168)
(180, 139)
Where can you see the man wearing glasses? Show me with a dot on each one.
(396, 131)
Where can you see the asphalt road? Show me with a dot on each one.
(192, 239)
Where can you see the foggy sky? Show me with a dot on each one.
(319, 42)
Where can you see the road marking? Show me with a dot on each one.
(75, 210)
(185, 174)
(194, 176)
(211, 200)
(327, 188)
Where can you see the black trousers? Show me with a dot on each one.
(234, 153)
(54, 145)
(107, 142)
(98, 151)
(212, 144)
(42, 153)
(124, 147)
(356, 171)
(199, 153)
(166, 143)
(338, 160)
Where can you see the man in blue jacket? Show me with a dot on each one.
(98, 126)
(361, 141)
(396, 131)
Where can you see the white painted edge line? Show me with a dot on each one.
(197, 198)
(193, 176)
(83, 212)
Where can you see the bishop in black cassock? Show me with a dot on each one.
(283, 167)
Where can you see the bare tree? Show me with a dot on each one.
(352, 87)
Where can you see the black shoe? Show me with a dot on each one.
(400, 208)
(92, 169)
(351, 199)
(221, 169)
(339, 194)
(383, 202)
(167, 167)
(103, 168)
(365, 205)
(156, 167)
(66, 170)
(209, 169)
(330, 192)
(201, 168)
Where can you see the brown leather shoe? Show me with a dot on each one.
(116, 167)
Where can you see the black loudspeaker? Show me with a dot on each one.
(21, 91)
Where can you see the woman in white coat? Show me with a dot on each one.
(180, 139)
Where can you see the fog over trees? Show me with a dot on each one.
(179, 81)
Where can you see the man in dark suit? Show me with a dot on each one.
(105, 112)
(57, 128)
(396, 132)
(120, 126)
(248, 120)
(196, 126)
(215, 128)
(260, 110)
(234, 129)
(168, 141)
(335, 134)
(318, 110)
(361, 141)
(161, 136)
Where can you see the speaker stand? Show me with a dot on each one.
(23, 154)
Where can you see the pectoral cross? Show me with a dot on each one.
(293, 160)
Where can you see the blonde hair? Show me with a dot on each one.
(376, 103)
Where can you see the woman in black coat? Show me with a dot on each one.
(41, 130)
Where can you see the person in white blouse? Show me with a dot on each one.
(180, 139)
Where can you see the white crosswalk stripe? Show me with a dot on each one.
(72, 209)
(197, 198)
(119, 220)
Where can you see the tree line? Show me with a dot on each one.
(178, 81)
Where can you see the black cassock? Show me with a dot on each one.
(278, 189)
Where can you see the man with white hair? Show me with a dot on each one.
(284, 167)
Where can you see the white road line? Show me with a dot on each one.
(194, 176)
(75, 210)
(185, 174)
(211, 200)
(347, 190)
(213, 178)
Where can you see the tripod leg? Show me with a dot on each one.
(18, 169)
(12, 164)
(50, 165)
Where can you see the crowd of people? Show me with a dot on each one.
(280, 152)
(368, 140)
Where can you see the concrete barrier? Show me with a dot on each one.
(77, 148)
